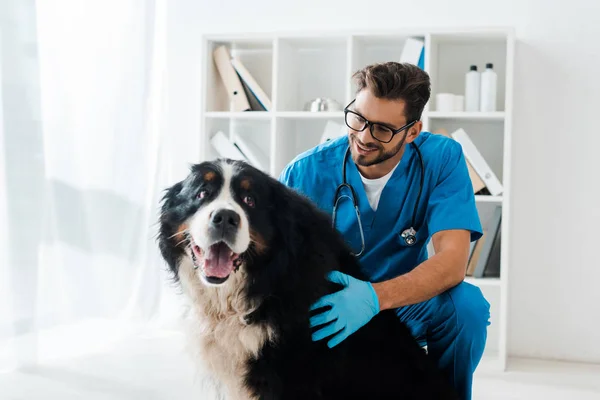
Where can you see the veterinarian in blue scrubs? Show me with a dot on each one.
(384, 169)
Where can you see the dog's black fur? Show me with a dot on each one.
(379, 361)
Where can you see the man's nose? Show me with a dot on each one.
(365, 135)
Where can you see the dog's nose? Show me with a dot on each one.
(225, 219)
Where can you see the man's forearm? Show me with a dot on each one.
(439, 273)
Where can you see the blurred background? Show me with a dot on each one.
(103, 104)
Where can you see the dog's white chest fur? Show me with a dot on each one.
(223, 340)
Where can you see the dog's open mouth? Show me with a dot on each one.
(217, 263)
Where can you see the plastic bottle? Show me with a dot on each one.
(489, 80)
(472, 89)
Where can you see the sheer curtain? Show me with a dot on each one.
(83, 163)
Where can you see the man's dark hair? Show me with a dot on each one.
(394, 81)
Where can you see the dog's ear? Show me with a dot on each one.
(303, 235)
(308, 234)
(169, 222)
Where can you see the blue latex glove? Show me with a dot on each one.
(353, 307)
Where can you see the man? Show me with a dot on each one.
(428, 294)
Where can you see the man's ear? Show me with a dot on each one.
(414, 131)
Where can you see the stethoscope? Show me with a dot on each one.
(409, 234)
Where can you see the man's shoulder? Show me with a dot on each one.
(438, 149)
(320, 156)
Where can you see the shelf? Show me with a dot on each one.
(264, 115)
(310, 114)
(483, 282)
(238, 115)
(470, 116)
(488, 199)
(295, 68)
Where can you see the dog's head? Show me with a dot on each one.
(219, 215)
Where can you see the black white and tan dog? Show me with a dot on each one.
(253, 255)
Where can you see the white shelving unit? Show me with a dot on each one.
(295, 68)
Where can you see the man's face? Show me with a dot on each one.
(368, 151)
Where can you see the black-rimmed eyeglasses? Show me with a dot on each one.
(380, 132)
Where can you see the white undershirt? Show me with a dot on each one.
(374, 187)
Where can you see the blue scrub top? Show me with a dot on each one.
(447, 200)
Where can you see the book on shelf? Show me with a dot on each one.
(251, 152)
(243, 91)
(478, 162)
(484, 261)
(479, 186)
(259, 100)
(241, 149)
(225, 148)
(413, 52)
(233, 85)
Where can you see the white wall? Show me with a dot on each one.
(555, 273)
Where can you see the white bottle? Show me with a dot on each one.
(472, 89)
(489, 81)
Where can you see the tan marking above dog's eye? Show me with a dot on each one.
(209, 176)
(245, 184)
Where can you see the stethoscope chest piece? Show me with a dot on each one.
(410, 236)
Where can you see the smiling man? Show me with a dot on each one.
(410, 187)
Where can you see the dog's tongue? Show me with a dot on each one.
(219, 261)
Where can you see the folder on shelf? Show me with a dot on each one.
(413, 52)
(489, 253)
(255, 105)
(251, 152)
(231, 80)
(476, 181)
(475, 252)
(478, 162)
(492, 268)
(252, 86)
(225, 148)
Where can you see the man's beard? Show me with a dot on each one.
(365, 161)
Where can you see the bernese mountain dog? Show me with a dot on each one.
(253, 255)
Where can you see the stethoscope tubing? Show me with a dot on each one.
(407, 234)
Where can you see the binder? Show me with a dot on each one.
(482, 168)
(476, 181)
(251, 152)
(475, 252)
(225, 148)
(492, 235)
(413, 52)
(251, 84)
(231, 80)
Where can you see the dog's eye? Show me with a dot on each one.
(203, 193)
(249, 200)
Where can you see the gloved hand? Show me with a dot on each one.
(353, 307)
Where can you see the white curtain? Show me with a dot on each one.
(83, 162)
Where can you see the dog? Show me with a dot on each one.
(252, 256)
